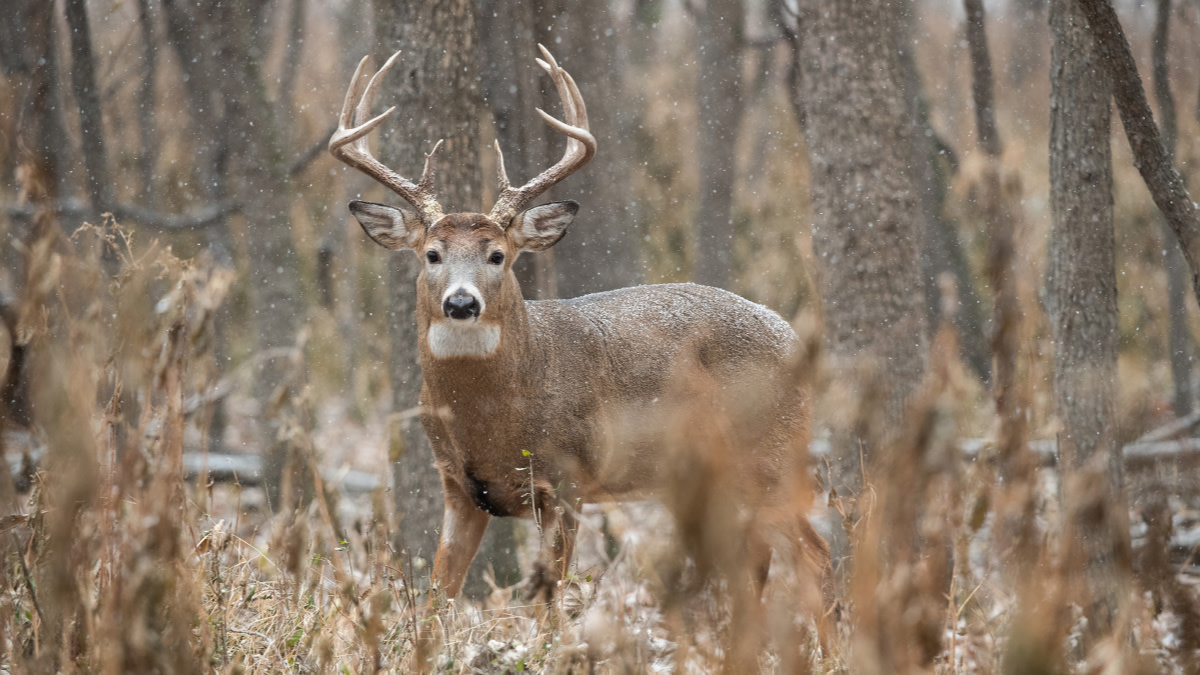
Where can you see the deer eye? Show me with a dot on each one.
(433, 257)
(496, 258)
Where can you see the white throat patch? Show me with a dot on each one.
(459, 338)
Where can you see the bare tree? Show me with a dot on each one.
(1150, 155)
(434, 86)
(87, 97)
(1082, 299)
(1178, 343)
(509, 33)
(598, 254)
(942, 251)
(865, 236)
(147, 151)
(720, 27)
(1027, 53)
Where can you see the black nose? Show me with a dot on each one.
(461, 305)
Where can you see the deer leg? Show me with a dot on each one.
(462, 530)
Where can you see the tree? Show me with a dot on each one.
(1178, 344)
(508, 38)
(87, 97)
(1150, 155)
(865, 236)
(435, 86)
(1082, 300)
(942, 251)
(720, 29)
(241, 156)
(598, 252)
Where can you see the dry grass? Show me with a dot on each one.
(110, 562)
(113, 563)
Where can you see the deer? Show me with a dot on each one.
(535, 407)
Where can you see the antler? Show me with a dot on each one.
(581, 147)
(349, 144)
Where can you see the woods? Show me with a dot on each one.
(210, 390)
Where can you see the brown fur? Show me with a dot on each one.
(581, 392)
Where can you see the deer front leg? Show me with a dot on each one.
(462, 529)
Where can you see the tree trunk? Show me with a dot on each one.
(1149, 153)
(598, 251)
(981, 79)
(1178, 343)
(719, 106)
(87, 97)
(147, 152)
(1082, 303)
(1027, 53)
(942, 251)
(865, 236)
(434, 86)
(197, 40)
(512, 83)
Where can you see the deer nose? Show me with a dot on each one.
(461, 305)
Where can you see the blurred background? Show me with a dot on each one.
(181, 281)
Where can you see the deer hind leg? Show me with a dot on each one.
(462, 529)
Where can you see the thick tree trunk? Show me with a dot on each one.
(435, 88)
(720, 28)
(598, 251)
(512, 85)
(511, 81)
(1082, 294)
(865, 236)
(200, 47)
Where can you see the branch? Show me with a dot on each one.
(209, 215)
(317, 149)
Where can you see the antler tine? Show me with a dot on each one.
(581, 146)
(502, 173)
(349, 143)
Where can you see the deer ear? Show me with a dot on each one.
(542, 226)
(390, 227)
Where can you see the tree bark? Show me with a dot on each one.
(240, 148)
(1178, 343)
(511, 84)
(1149, 153)
(981, 79)
(1027, 53)
(598, 251)
(942, 250)
(147, 154)
(200, 47)
(865, 236)
(435, 89)
(87, 97)
(720, 28)
(1082, 303)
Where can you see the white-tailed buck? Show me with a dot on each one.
(534, 407)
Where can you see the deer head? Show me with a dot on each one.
(466, 289)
